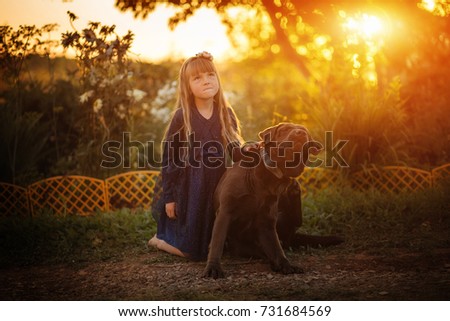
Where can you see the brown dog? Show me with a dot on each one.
(258, 203)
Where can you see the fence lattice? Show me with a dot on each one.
(68, 195)
(392, 179)
(131, 190)
(85, 195)
(441, 174)
(316, 179)
(13, 200)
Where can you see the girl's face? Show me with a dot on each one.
(204, 85)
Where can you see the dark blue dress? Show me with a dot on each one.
(191, 184)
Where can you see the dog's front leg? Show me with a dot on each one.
(268, 238)
(219, 234)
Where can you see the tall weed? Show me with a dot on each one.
(372, 123)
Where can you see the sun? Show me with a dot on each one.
(363, 29)
(363, 25)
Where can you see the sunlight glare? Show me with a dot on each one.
(366, 25)
(320, 40)
(439, 8)
(153, 40)
(429, 5)
(327, 53)
(365, 30)
(275, 48)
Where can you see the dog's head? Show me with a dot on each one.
(286, 149)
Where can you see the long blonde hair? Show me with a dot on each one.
(193, 66)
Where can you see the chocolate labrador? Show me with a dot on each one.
(258, 201)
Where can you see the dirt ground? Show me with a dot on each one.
(331, 274)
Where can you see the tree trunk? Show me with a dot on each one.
(282, 38)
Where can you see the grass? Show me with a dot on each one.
(370, 221)
(47, 238)
(376, 220)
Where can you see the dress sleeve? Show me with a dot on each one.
(171, 165)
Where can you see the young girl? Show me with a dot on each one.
(197, 144)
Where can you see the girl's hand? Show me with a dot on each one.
(170, 210)
(251, 147)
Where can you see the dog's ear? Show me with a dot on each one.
(268, 134)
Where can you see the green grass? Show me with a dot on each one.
(47, 238)
(376, 220)
(370, 221)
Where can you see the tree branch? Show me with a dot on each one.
(283, 40)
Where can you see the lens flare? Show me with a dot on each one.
(429, 5)
(364, 25)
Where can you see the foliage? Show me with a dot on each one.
(23, 133)
(22, 142)
(388, 96)
(350, 74)
(52, 101)
(54, 239)
(261, 98)
(378, 136)
(107, 95)
(367, 221)
(260, 95)
(374, 219)
(427, 102)
(114, 108)
(16, 46)
(295, 24)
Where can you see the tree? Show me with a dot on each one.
(410, 61)
(290, 17)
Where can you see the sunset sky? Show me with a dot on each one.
(153, 39)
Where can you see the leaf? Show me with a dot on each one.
(72, 16)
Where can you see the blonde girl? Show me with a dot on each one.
(203, 133)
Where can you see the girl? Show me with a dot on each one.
(197, 144)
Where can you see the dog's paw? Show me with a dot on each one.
(293, 269)
(287, 268)
(213, 271)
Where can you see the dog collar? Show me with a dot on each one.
(269, 164)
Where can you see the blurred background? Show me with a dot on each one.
(76, 74)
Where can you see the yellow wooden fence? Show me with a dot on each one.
(68, 195)
(81, 195)
(131, 190)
